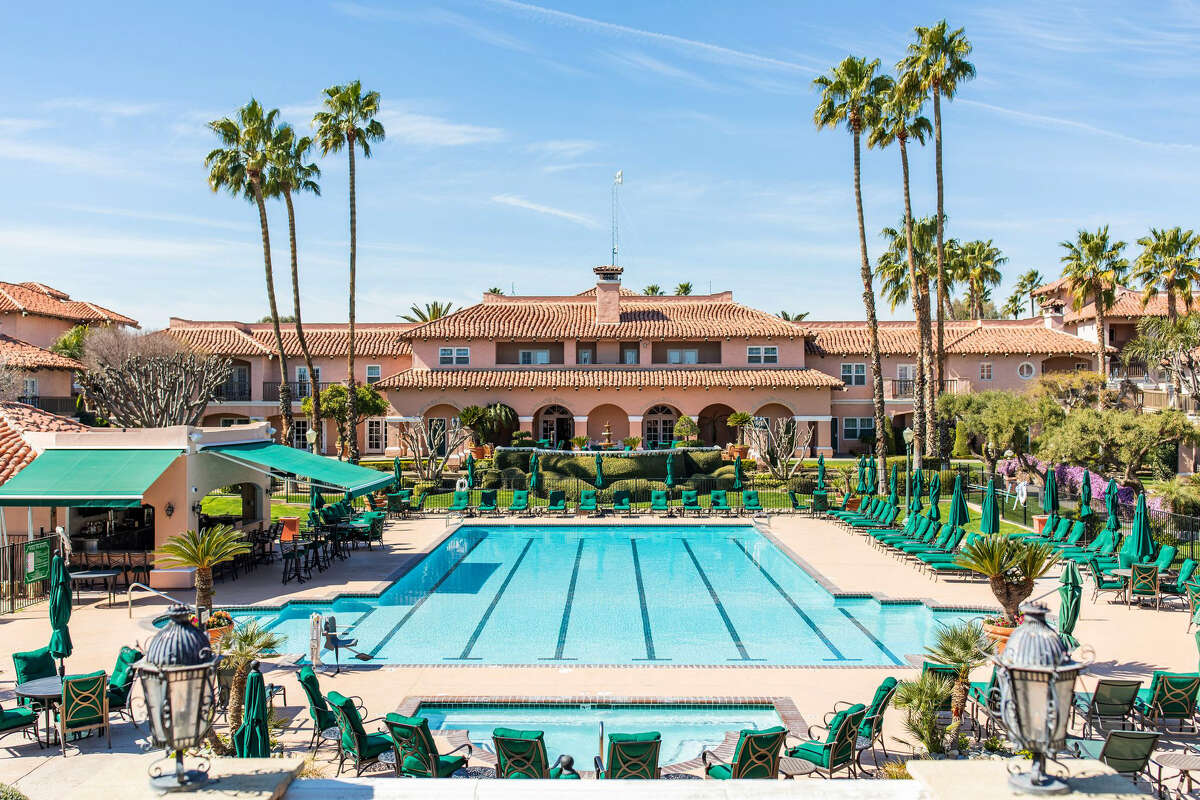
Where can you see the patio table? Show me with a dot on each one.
(109, 576)
(1185, 762)
(48, 691)
(790, 767)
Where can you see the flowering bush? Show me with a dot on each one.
(219, 619)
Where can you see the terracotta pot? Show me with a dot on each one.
(216, 634)
(742, 450)
(998, 634)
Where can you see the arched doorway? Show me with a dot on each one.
(437, 425)
(658, 426)
(711, 421)
(554, 424)
(612, 417)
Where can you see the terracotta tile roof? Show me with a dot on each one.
(15, 420)
(44, 301)
(1129, 305)
(624, 293)
(225, 340)
(608, 378)
(574, 317)
(258, 338)
(962, 337)
(1047, 288)
(23, 355)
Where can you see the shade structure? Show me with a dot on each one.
(821, 473)
(397, 473)
(1050, 492)
(87, 478)
(935, 497)
(470, 470)
(1113, 522)
(1138, 545)
(959, 515)
(872, 477)
(535, 477)
(989, 519)
(737, 472)
(862, 475)
(892, 498)
(670, 469)
(599, 472)
(1085, 495)
(60, 610)
(914, 497)
(251, 739)
(1070, 596)
(282, 460)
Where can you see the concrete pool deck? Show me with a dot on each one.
(1127, 642)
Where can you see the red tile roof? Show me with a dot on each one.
(16, 419)
(23, 355)
(324, 339)
(609, 378)
(1047, 288)
(44, 301)
(1129, 305)
(962, 337)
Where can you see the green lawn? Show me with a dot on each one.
(222, 505)
(973, 525)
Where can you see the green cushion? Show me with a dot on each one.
(649, 736)
(512, 733)
(448, 765)
(373, 744)
(33, 664)
(720, 772)
(16, 718)
(811, 751)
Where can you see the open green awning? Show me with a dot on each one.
(87, 478)
(292, 461)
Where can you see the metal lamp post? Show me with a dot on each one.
(908, 440)
(310, 436)
(1037, 676)
(178, 676)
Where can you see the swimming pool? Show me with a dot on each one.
(575, 728)
(614, 594)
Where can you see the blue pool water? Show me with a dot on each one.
(575, 729)
(618, 594)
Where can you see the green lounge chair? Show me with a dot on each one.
(417, 754)
(120, 683)
(1171, 696)
(1127, 752)
(622, 501)
(558, 502)
(1143, 583)
(885, 521)
(84, 706)
(659, 501)
(361, 748)
(461, 502)
(941, 544)
(944, 671)
(31, 665)
(1082, 554)
(520, 502)
(19, 718)
(1110, 705)
(325, 724)
(522, 754)
(631, 756)
(691, 501)
(718, 501)
(587, 502)
(487, 502)
(835, 750)
(1073, 536)
(1103, 583)
(756, 755)
(797, 505)
(750, 501)
(1165, 557)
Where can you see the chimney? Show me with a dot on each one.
(608, 294)
(1052, 314)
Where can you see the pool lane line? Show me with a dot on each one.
(570, 601)
(733, 634)
(647, 632)
(866, 632)
(421, 600)
(837, 654)
(483, 621)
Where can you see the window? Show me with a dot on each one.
(1025, 370)
(906, 372)
(300, 433)
(762, 355)
(374, 373)
(585, 355)
(454, 355)
(629, 354)
(376, 435)
(985, 370)
(658, 425)
(535, 357)
(303, 386)
(31, 387)
(854, 374)
(229, 422)
(856, 427)
(683, 356)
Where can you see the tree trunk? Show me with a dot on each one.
(940, 371)
(918, 427)
(1101, 354)
(237, 696)
(926, 341)
(285, 398)
(958, 698)
(872, 324)
(314, 387)
(352, 399)
(1176, 381)
(1010, 595)
(204, 589)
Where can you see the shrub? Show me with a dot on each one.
(491, 480)
(632, 441)
(702, 462)
(639, 490)
(686, 428)
(514, 478)
(692, 443)
(423, 487)
(9, 793)
(962, 448)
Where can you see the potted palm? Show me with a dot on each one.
(580, 442)
(632, 442)
(202, 550)
(248, 643)
(477, 420)
(1011, 565)
(738, 421)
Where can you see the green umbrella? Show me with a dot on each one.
(935, 497)
(892, 497)
(989, 520)
(251, 739)
(60, 610)
(862, 475)
(534, 477)
(821, 473)
(599, 472)
(872, 477)
(470, 470)
(671, 469)
(737, 473)
(1070, 595)
(959, 515)
(914, 498)
(1050, 492)
(1113, 522)
(1085, 495)
(315, 499)
(397, 472)
(1137, 545)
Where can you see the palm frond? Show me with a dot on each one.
(202, 549)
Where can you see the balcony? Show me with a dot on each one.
(55, 405)
(904, 388)
(1134, 371)
(233, 392)
(299, 389)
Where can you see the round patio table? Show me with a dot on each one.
(48, 691)
(1185, 763)
(109, 576)
(791, 767)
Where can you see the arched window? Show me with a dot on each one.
(557, 425)
(658, 425)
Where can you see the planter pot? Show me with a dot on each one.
(998, 634)
(216, 634)
(479, 452)
(1039, 522)
(742, 450)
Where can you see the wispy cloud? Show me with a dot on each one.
(475, 30)
(92, 105)
(520, 202)
(563, 148)
(640, 63)
(431, 131)
(17, 125)
(154, 216)
(65, 157)
(1044, 120)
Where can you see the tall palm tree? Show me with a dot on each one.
(494, 290)
(1168, 263)
(1094, 267)
(792, 316)
(982, 262)
(202, 550)
(852, 94)
(291, 171)
(1026, 284)
(683, 289)
(892, 267)
(431, 311)
(348, 121)
(1013, 306)
(238, 166)
(937, 61)
(954, 272)
(901, 120)
(654, 290)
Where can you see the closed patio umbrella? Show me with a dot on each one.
(599, 472)
(470, 470)
(670, 469)
(1085, 495)
(1113, 523)
(251, 739)
(737, 472)
(914, 497)
(315, 500)
(397, 472)
(935, 497)
(959, 515)
(872, 477)
(862, 475)
(989, 520)
(892, 498)
(1070, 595)
(534, 477)
(821, 473)
(1137, 545)
(60, 611)
(1050, 492)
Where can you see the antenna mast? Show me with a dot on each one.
(617, 180)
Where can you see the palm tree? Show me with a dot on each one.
(202, 550)
(937, 61)
(238, 166)
(982, 262)
(435, 310)
(653, 289)
(1094, 267)
(1169, 264)
(1026, 284)
(792, 316)
(291, 171)
(494, 290)
(954, 272)
(852, 94)
(348, 120)
(891, 267)
(1013, 306)
(964, 646)
(900, 121)
(242, 646)
(683, 289)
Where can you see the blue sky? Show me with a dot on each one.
(506, 121)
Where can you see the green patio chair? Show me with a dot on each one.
(718, 501)
(756, 755)
(398, 502)
(797, 504)
(836, 749)
(1109, 705)
(623, 501)
(1082, 554)
(631, 756)
(750, 501)
(1078, 528)
(1178, 585)
(587, 502)
(691, 501)
(461, 502)
(1143, 583)
(325, 724)
(361, 748)
(120, 682)
(885, 521)
(557, 503)
(1126, 752)
(31, 665)
(417, 754)
(19, 719)
(1171, 696)
(84, 706)
(487, 502)
(520, 502)
(1192, 591)
(1103, 583)
(659, 502)
(522, 754)
(870, 730)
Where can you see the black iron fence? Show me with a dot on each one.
(15, 593)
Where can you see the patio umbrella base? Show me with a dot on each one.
(189, 781)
